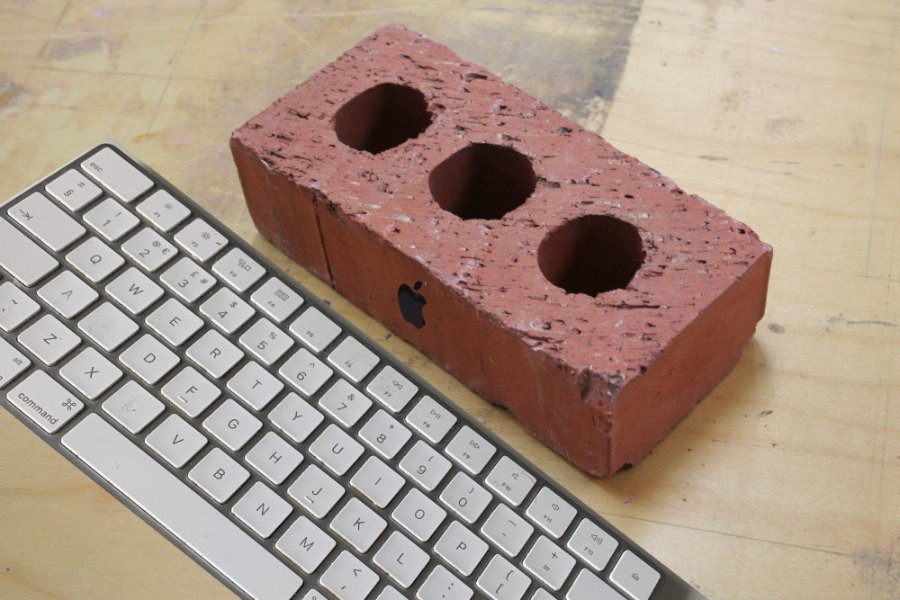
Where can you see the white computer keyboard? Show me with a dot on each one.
(255, 428)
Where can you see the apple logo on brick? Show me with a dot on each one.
(411, 304)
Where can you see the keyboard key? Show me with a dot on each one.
(388, 593)
(401, 559)
(67, 294)
(232, 424)
(134, 291)
(345, 403)
(465, 497)
(180, 510)
(16, 307)
(133, 407)
(315, 491)
(500, 580)
(226, 310)
(254, 385)
(238, 270)
(49, 340)
(90, 373)
(117, 174)
(315, 329)
(507, 530)
(305, 544)
(191, 392)
(442, 584)
(45, 401)
(353, 359)
(163, 210)
(274, 458)
(265, 341)
(358, 524)
(392, 389)
(149, 249)
(73, 190)
(215, 354)
(94, 259)
(384, 434)
(200, 240)
(461, 548)
(149, 359)
(174, 322)
(510, 480)
(218, 475)
(470, 450)
(47, 222)
(425, 465)
(431, 419)
(12, 363)
(377, 482)
(21, 257)
(175, 441)
(419, 515)
(348, 578)
(551, 512)
(305, 372)
(295, 417)
(111, 220)
(588, 586)
(592, 544)
(337, 450)
(634, 576)
(542, 594)
(549, 563)
(262, 509)
(276, 299)
(187, 280)
(108, 326)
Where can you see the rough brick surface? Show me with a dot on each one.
(600, 377)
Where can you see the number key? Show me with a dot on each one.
(384, 434)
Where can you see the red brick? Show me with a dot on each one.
(599, 376)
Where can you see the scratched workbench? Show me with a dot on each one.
(783, 483)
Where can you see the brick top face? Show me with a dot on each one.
(480, 225)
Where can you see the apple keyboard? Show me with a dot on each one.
(255, 428)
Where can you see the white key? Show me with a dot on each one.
(276, 299)
(353, 359)
(418, 515)
(262, 509)
(465, 497)
(46, 221)
(384, 434)
(542, 594)
(470, 450)
(108, 326)
(431, 419)
(200, 240)
(254, 385)
(190, 391)
(134, 291)
(551, 512)
(163, 210)
(265, 341)
(111, 220)
(425, 465)
(401, 559)
(305, 544)
(73, 190)
(358, 525)
(67, 294)
(337, 450)
(16, 307)
(218, 475)
(274, 458)
(461, 548)
(226, 310)
(295, 417)
(315, 329)
(510, 480)
(592, 544)
(588, 586)
(90, 373)
(94, 259)
(45, 401)
(49, 340)
(549, 563)
(507, 530)
(315, 491)
(117, 174)
(174, 322)
(180, 510)
(345, 403)
(442, 584)
(21, 257)
(175, 441)
(305, 372)
(133, 407)
(388, 593)
(238, 270)
(392, 389)
(187, 280)
(149, 249)
(634, 576)
(215, 354)
(500, 580)
(232, 424)
(12, 363)
(348, 578)
(377, 482)
(149, 359)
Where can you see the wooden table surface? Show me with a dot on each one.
(783, 483)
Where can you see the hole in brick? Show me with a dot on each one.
(382, 117)
(482, 181)
(591, 255)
